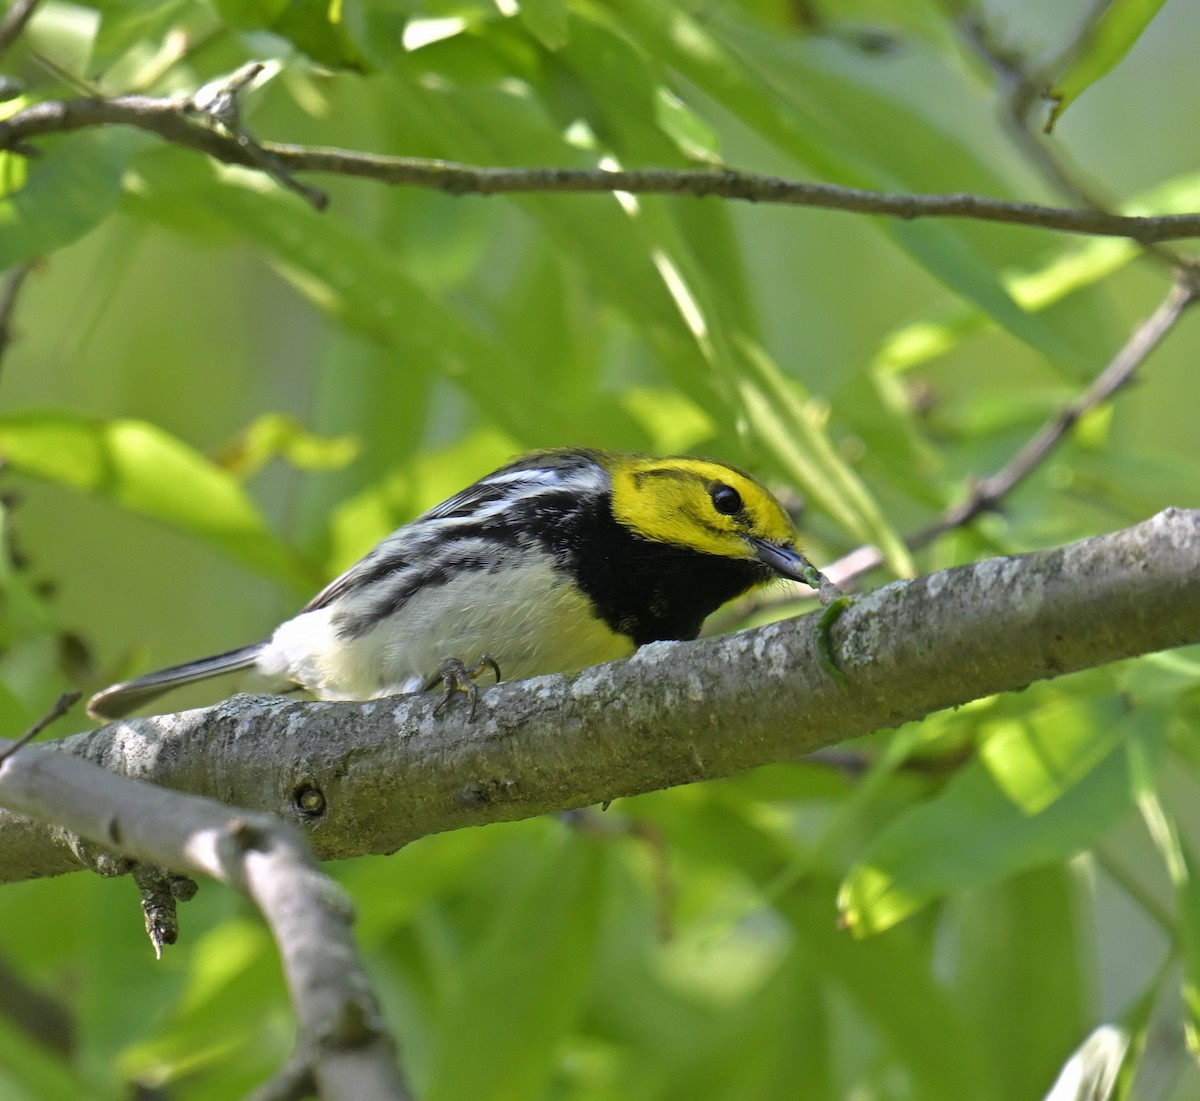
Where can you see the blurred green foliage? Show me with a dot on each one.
(218, 397)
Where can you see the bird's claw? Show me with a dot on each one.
(455, 677)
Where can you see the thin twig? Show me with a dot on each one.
(38, 1016)
(221, 105)
(61, 706)
(169, 119)
(987, 494)
(14, 280)
(14, 21)
(1021, 91)
(1024, 89)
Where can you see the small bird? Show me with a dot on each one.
(559, 560)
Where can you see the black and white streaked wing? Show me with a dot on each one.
(483, 503)
(405, 543)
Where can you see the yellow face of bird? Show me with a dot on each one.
(697, 503)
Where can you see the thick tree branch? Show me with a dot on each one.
(369, 777)
(175, 120)
(342, 1038)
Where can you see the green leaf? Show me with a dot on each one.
(315, 26)
(250, 14)
(122, 43)
(1183, 870)
(146, 470)
(547, 21)
(1076, 266)
(365, 518)
(887, 978)
(56, 198)
(276, 435)
(792, 427)
(31, 1072)
(360, 284)
(698, 52)
(695, 138)
(223, 1019)
(611, 240)
(64, 35)
(1037, 755)
(518, 992)
(973, 833)
(1021, 973)
(1105, 43)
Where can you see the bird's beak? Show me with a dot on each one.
(786, 561)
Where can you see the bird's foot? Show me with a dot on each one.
(455, 677)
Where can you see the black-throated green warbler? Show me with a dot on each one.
(558, 560)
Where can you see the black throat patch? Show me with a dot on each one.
(645, 590)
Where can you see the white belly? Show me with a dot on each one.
(524, 618)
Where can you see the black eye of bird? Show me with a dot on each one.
(726, 499)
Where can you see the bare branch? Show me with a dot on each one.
(13, 23)
(370, 777)
(342, 1035)
(294, 1082)
(10, 291)
(988, 493)
(221, 105)
(170, 120)
(59, 708)
(1023, 89)
(40, 1017)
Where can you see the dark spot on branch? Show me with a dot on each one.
(473, 795)
(309, 800)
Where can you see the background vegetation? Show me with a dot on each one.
(215, 397)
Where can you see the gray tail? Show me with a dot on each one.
(119, 699)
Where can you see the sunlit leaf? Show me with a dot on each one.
(1037, 756)
(1079, 265)
(695, 138)
(794, 430)
(1109, 38)
(518, 991)
(973, 833)
(275, 435)
(59, 196)
(547, 21)
(1093, 1070)
(698, 52)
(142, 468)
